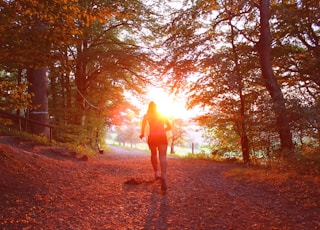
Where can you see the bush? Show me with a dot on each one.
(41, 140)
(306, 162)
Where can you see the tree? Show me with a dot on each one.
(89, 50)
(105, 62)
(272, 85)
(297, 33)
(296, 59)
(14, 95)
(177, 133)
(206, 36)
(30, 29)
(221, 72)
(38, 81)
(240, 86)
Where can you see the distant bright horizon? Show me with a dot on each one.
(168, 104)
(171, 106)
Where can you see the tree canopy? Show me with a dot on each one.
(241, 62)
(253, 66)
(90, 49)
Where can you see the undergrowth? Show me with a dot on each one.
(304, 163)
(42, 140)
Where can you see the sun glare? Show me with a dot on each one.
(167, 104)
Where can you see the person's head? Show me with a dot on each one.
(152, 108)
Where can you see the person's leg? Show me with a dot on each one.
(163, 165)
(154, 160)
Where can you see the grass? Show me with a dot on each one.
(182, 152)
(302, 165)
(260, 175)
(274, 177)
(42, 140)
(273, 172)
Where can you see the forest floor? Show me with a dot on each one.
(43, 188)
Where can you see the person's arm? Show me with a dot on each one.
(143, 125)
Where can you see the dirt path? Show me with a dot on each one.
(116, 191)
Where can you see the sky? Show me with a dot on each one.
(169, 105)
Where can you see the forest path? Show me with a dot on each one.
(116, 190)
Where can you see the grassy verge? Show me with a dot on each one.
(178, 151)
(274, 177)
(41, 140)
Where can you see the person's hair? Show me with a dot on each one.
(152, 108)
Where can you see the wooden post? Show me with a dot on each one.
(192, 145)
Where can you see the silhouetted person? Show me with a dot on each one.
(157, 141)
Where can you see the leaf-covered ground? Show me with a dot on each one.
(41, 189)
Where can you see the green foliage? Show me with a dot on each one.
(79, 148)
(306, 161)
(13, 95)
(94, 97)
(223, 138)
(30, 29)
(41, 140)
(5, 121)
(218, 67)
(91, 51)
(201, 155)
(4, 130)
(69, 134)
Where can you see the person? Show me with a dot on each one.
(157, 141)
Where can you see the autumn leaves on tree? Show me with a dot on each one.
(253, 66)
(239, 60)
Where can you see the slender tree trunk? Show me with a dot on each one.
(39, 86)
(81, 72)
(67, 94)
(67, 98)
(243, 134)
(172, 148)
(173, 139)
(243, 131)
(54, 93)
(264, 48)
(18, 112)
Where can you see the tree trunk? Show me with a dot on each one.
(243, 130)
(81, 71)
(172, 138)
(264, 48)
(172, 147)
(18, 112)
(39, 86)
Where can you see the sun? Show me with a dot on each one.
(168, 104)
